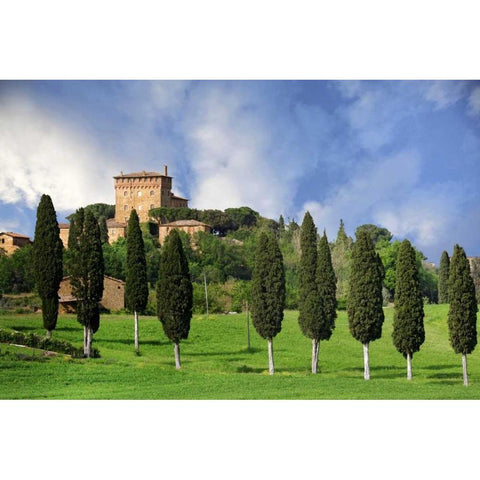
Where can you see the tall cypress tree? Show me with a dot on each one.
(174, 292)
(136, 285)
(365, 312)
(462, 315)
(87, 270)
(47, 258)
(311, 316)
(268, 292)
(443, 275)
(102, 223)
(408, 330)
(327, 287)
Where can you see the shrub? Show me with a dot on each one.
(37, 341)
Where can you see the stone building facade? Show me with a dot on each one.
(10, 242)
(188, 226)
(64, 231)
(144, 191)
(113, 295)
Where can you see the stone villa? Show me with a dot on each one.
(10, 242)
(143, 191)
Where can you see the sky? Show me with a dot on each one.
(404, 155)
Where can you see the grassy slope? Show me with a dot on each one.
(216, 364)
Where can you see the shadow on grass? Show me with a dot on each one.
(220, 354)
(441, 367)
(23, 328)
(69, 329)
(446, 375)
(157, 343)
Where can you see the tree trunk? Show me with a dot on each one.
(464, 366)
(315, 347)
(409, 366)
(85, 335)
(366, 365)
(271, 367)
(136, 330)
(248, 328)
(49, 334)
(176, 349)
(89, 342)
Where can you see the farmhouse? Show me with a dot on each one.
(188, 226)
(10, 242)
(113, 295)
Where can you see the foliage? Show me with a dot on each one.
(341, 254)
(47, 260)
(326, 282)
(136, 286)
(17, 273)
(268, 287)
(174, 290)
(462, 315)
(87, 269)
(475, 272)
(36, 341)
(376, 233)
(115, 258)
(310, 303)
(443, 278)
(408, 329)
(365, 313)
(98, 210)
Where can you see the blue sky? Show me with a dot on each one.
(401, 154)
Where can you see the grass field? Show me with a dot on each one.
(217, 365)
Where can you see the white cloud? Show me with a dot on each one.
(40, 154)
(444, 93)
(230, 157)
(474, 101)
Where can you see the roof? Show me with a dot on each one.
(63, 225)
(112, 223)
(177, 197)
(15, 235)
(184, 223)
(141, 174)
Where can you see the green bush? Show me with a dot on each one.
(37, 341)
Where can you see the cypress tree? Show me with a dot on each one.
(136, 286)
(327, 287)
(365, 312)
(174, 292)
(47, 259)
(281, 224)
(443, 275)
(102, 223)
(311, 316)
(87, 269)
(462, 314)
(408, 330)
(268, 291)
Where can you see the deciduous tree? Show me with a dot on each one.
(408, 329)
(47, 257)
(462, 315)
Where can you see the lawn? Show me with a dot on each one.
(217, 365)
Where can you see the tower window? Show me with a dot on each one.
(125, 193)
(139, 207)
(125, 207)
(152, 193)
(139, 193)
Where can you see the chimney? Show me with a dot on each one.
(165, 171)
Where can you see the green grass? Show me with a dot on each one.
(217, 365)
